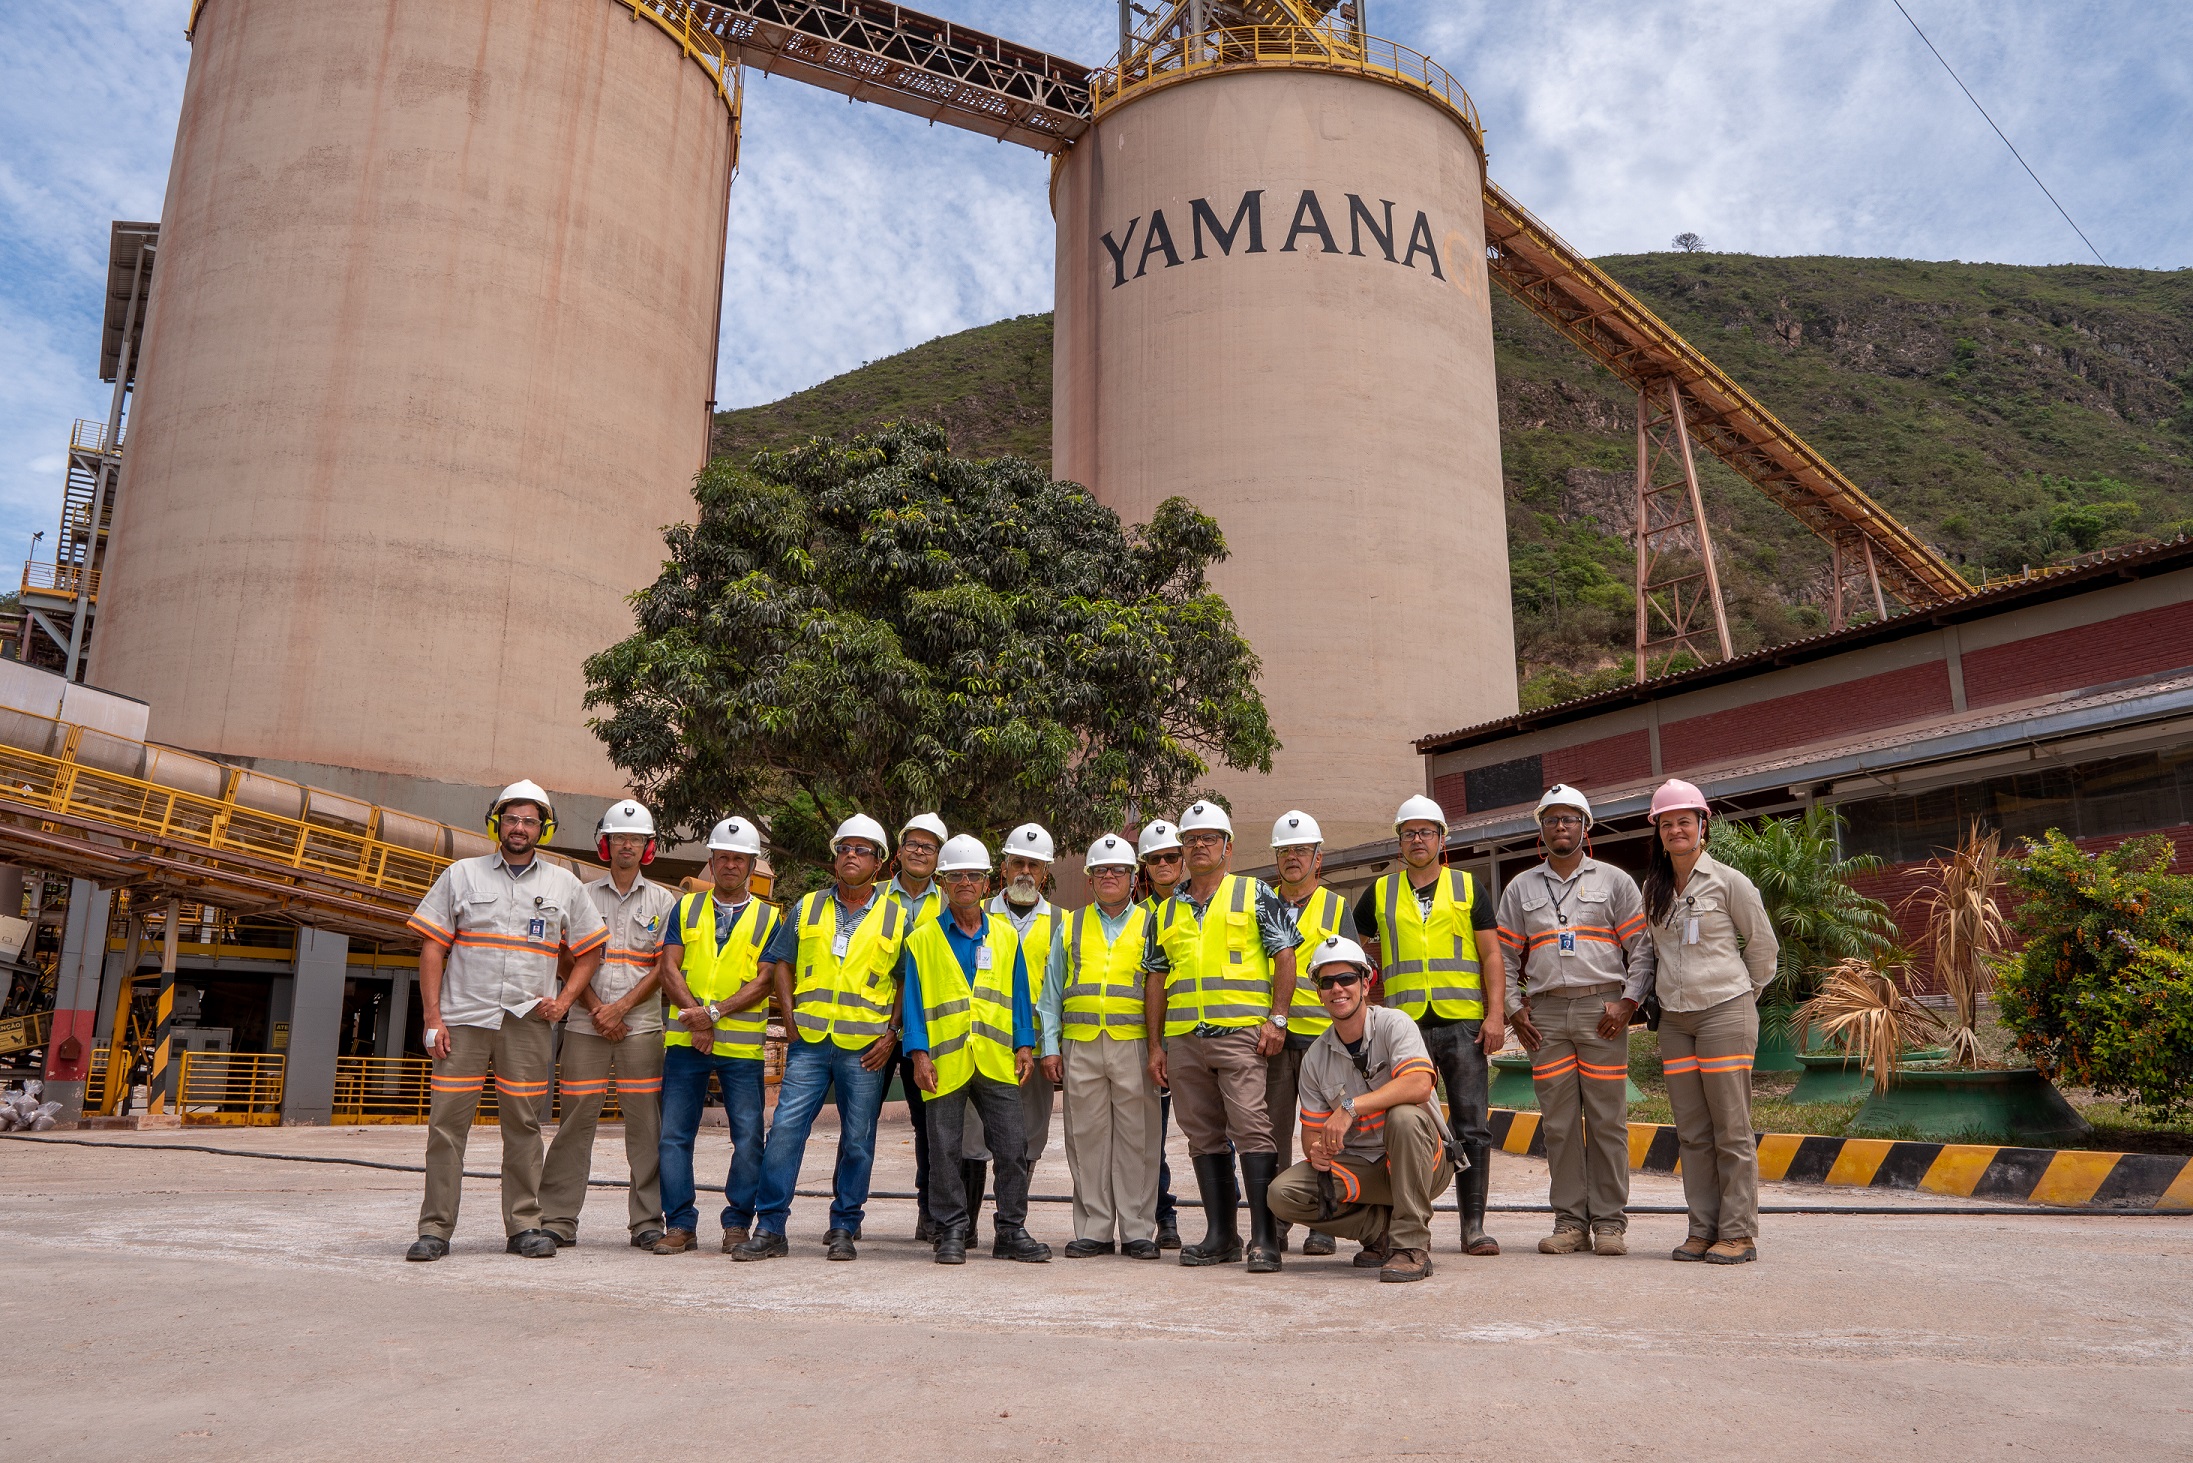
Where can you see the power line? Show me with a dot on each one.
(2036, 177)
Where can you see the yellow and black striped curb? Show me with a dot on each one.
(2063, 1177)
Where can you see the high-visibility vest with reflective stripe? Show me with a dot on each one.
(970, 1022)
(1035, 941)
(1318, 919)
(1429, 965)
(921, 908)
(713, 974)
(847, 1001)
(1103, 995)
(1219, 975)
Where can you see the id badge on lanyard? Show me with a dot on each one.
(982, 957)
(841, 942)
(1568, 942)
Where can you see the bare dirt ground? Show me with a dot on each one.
(199, 1306)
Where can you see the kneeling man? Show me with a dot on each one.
(1377, 1149)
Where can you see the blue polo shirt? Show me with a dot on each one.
(914, 1036)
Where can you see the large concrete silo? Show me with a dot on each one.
(1272, 299)
(427, 370)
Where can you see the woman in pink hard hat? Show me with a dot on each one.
(1716, 953)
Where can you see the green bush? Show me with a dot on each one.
(2102, 995)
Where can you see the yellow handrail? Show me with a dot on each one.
(230, 1089)
(62, 579)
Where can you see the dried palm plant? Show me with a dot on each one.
(1861, 1008)
(1968, 931)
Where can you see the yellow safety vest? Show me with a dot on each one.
(1103, 995)
(1219, 974)
(921, 908)
(714, 974)
(1318, 920)
(1429, 963)
(970, 1022)
(846, 999)
(1035, 941)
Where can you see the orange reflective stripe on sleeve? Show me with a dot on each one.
(1413, 1064)
(428, 930)
(593, 942)
(1510, 938)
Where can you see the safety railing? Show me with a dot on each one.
(230, 1089)
(67, 580)
(91, 436)
(680, 21)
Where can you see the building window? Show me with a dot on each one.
(2099, 799)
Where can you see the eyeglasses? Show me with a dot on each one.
(964, 876)
(1169, 856)
(1561, 820)
(1349, 978)
(1202, 840)
(1419, 835)
(519, 820)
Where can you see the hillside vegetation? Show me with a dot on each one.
(2010, 415)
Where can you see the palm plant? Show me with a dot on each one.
(1861, 1008)
(1804, 881)
(1968, 931)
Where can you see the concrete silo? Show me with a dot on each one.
(428, 368)
(1272, 300)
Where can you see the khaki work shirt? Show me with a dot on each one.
(1393, 1048)
(1734, 946)
(505, 930)
(1600, 910)
(637, 922)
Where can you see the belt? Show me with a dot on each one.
(1580, 992)
(1206, 1029)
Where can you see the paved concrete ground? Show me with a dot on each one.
(199, 1306)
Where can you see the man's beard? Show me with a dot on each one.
(1023, 890)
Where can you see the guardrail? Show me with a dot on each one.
(230, 1089)
(62, 579)
(91, 436)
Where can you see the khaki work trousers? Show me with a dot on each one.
(1114, 1138)
(1707, 1057)
(522, 1050)
(1391, 1196)
(1218, 1092)
(582, 1082)
(1583, 1101)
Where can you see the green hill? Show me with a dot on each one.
(2010, 415)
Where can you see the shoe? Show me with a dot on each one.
(1732, 1252)
(563, 1243)
(1406, 1265)
(1317, 1242)
(733, 1238)
(1082, 1249)
(1257, 1172)
(925, 1230)
(647, 1238)
(532, 1244)
(1375, 1252)
(427, 1247)
(1609, 1242)
(838, 1245)
(1015, 1243)
(675, 1242)
(763, 1246)
(1221, 1242)
(1168, 1233)
(974, 1176)
(951, 1246)
(1142, 1249)
(1472, 1187)
(1565, 1242)
(1692, 1249)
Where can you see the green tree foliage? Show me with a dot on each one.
(2102, 995)
(873, 624)
(1804, 881)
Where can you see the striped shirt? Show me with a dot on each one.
(504, 930)
(1392, 1047)
(1600, 907)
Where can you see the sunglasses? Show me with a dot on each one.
(1327, 982)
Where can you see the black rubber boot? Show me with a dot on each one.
(1221, 1243)
(1471, 1188)
(1257, 1172)
(975, 1174)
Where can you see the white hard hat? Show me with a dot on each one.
(1337, 950)
(962, 854)
(1205, 816)
(1420, 809)
(1296, 828)
(525, 790)
(1157, 836)
(860, 825)
(735, 835)
(625, 817)
(1029, 840)
(1110, 852)
(928, 823)
(1561, 795)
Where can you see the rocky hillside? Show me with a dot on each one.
(2011, 415)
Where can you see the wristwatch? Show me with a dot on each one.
(1348, 1105)
(1279, 1020)
(710, 1008)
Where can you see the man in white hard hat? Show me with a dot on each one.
(494, 931)
(1163, 867)
(1025, 868)
(719, 993)
(1375, 1151)
(615, 1032)
(1222, 954)
(832, 958)
(1095, 1043)
(971, 1025)
(1298, 851)
(914, 884)
(1580, 963)
(1439, 960)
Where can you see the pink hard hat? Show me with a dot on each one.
(1675, 795)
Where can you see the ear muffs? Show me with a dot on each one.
(494, 822)
(601, 849)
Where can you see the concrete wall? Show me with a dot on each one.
(1328, 397)
(426, 371)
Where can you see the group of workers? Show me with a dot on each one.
(1235, 1006)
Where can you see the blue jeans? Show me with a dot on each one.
(811, 1068)
(684, 1092)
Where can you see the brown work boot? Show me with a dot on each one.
(1565, 1241)
(1693, 1249)
(1375, 1252)
(1732, 1252)
(1405, 1265)
(675, 1242)
(732, 1239)
(1609, 1242)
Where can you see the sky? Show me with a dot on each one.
(1765, 126)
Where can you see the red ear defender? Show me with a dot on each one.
(601, 847)
(647, 855)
